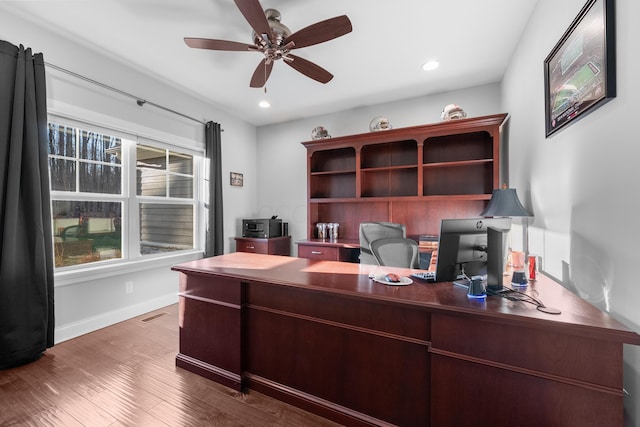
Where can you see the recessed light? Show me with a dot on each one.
(430, 65)
(264, 104)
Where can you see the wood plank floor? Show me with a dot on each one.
(125, 375)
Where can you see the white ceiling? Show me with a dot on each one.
(379, 61)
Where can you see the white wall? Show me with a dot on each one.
(87, 303)
(581, 183)
(282, 163)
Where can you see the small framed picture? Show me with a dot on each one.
(236, 179)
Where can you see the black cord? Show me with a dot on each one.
(522, 297)
(527, 298)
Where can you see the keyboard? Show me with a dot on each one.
(428, 276)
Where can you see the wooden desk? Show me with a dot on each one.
(322, 336)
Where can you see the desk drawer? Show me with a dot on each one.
(252, 246)
(327, 253)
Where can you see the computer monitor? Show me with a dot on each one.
(463, 246)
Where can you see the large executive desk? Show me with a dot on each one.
(322, 336)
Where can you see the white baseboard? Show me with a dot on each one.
(93, 323)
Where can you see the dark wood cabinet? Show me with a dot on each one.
(325, 337)
(270, 246)
(415, 175)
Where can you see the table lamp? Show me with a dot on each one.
(504, 202)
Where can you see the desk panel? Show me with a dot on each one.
(211, 328)
(383, 377)
(591, 363)
(389, 318)
(483, 395)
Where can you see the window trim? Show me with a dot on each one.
(108, 125)
(110, 268)
(131, 201)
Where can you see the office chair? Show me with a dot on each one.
(396, 252)
(370, 231)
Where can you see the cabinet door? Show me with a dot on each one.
(279, 246)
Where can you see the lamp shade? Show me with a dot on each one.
(505, 202)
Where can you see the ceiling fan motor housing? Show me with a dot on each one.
(279, 31)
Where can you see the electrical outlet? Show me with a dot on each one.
(128, 287)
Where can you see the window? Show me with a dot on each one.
(164, 186)
(115, 199)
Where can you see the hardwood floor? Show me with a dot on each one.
(125, 375)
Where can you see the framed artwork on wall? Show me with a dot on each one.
(580, 71)
(236, 179)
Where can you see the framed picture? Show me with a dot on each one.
(236, 179)
(580, 71)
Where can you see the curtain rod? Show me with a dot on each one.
(139, 100)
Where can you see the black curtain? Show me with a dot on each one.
(26, 253)
(214, 237)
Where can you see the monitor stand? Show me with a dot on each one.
(494, 290)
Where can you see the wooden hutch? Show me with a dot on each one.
(414, 175)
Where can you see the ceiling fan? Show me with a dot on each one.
(275, 41)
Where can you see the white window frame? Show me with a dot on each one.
(131, 260)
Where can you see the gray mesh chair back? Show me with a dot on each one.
(370, 231)
(396, 252)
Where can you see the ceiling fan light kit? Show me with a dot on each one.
(276, 41)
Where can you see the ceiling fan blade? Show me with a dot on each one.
(309, 69)
(254, 14)
(218, 44)
(261, 74)
(320, 32)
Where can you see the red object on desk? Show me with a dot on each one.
(532, 267)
